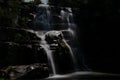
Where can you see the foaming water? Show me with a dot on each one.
(43, 5)
(64, 76)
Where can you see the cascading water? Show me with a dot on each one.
(42, 19)
(60, 50)
(46, 47)
(67, 18)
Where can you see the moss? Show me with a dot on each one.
(2, 79)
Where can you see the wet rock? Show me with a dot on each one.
(32, 71)
(20, 47)
(22, 36)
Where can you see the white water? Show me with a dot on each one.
(71, 53)
(44, 1)
(67, 17)
(46, 47)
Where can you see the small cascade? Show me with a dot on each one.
(46, 47)
(67, 16)
(44, 1)
(42, 17)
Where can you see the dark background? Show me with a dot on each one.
(98, 31)
(98, 24)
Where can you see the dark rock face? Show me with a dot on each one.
(20, 47)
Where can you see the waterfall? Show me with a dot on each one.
(56, 36)
(67, 17)
(42, 18)
(46, 47)
(59, 39)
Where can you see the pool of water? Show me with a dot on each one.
(85, 76)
